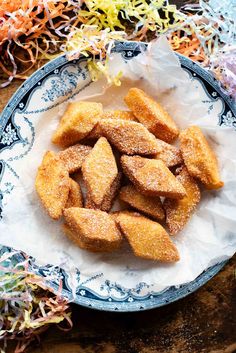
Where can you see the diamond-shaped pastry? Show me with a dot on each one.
(52, 184)
(199, 157)
(93, 230)
(77, 122)
(178, 212)
(99, 171)
(147, 238)
(151, 114)
(129, 137)
(152, 177)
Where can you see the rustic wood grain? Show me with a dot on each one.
(205, 321)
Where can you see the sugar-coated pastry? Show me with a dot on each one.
(147, 238)
(111, 114)
(129, 137)
(151, 206)
(169, 154)
(199, 157)
(108, 198)
(93, 230)
(152, 177)
(99, 171)
(77, 122)
(52, 184)
(151, 114)
(75, 198)
(73, 157)
(178, 212)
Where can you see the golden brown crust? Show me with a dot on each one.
(152, 177)
(75, 237)
(119, 114)
(199, 158)
(108, 198)
(147, 238)
(77, 122)
(52, 184)
(93, 230)
(129, 137)
(75, 198)
(169, 154)
(178, 212)
(151, 114)
(116, 214)
(73, 157)
(151, 206)
(99, 171)
(111, 114)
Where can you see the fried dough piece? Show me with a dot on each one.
(111, 114)
(178, 212)
(74, 237)
(169, 154)
(108, 198)
(77, 122)
(99, 171)
(151, 206)
(147, 238)
(93, 230)
(151, 114)
(119, 114)
(75, 198)
(73, 157)
(152, 177)
(129, 137)
(116, 214)
(52, 184)
(199, 158)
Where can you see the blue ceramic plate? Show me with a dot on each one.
(55, 83)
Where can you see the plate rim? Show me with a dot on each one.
(143, 305)
(184, 289)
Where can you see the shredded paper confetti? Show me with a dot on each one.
(204, 32)
(208, 35)
(27, 305)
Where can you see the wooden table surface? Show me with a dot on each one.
(205, 321)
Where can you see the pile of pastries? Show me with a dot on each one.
(126, 157)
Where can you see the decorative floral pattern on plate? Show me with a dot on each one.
(9, 135)
(228, 119)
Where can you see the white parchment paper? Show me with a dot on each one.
(210, 235)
